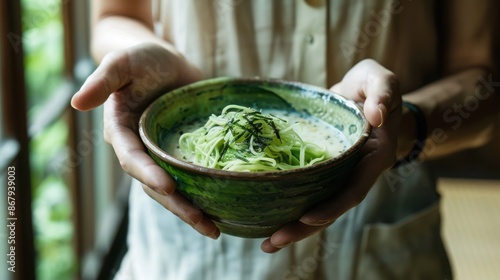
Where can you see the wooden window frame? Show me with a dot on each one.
(16, 133)
(98, 250)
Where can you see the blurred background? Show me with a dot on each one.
(70, 193)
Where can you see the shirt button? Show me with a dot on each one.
(310, 39)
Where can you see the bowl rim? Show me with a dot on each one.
(258, 175)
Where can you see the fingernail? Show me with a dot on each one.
(281, 246)
(73, 98)
(381, 118)
(190, 222)
(317, 222)
(159, 191)
(214, 235)
(382, 110)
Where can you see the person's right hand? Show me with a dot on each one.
(126, 82)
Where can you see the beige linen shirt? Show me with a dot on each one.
(394, 232)
(314, 41)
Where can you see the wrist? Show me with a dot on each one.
(413, 134)
(181, 71)
(407, 133)
(189, 73)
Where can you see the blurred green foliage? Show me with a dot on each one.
(43, 50)
(44, 56)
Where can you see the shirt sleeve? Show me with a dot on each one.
(467, 33)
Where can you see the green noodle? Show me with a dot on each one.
(244, 139)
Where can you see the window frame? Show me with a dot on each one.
(16, 135)
(98, 242)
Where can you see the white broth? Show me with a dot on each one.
(311, 129)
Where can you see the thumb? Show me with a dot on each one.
(373, 85)
(106, 79)
(382, 96)
(375, 111)
(374, 107)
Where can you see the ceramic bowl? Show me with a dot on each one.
(253, 204)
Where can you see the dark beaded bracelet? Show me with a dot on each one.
(421, 129)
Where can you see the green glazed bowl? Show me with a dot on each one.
(253, 204)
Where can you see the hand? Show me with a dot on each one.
(126, 81)
(377, 89)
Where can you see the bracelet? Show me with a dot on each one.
(421, 129)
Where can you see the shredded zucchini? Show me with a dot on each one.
(244, 139)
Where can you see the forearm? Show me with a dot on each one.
(111, 33)
(121, 24)
(460, 112)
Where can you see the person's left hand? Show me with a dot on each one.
(376, 88)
